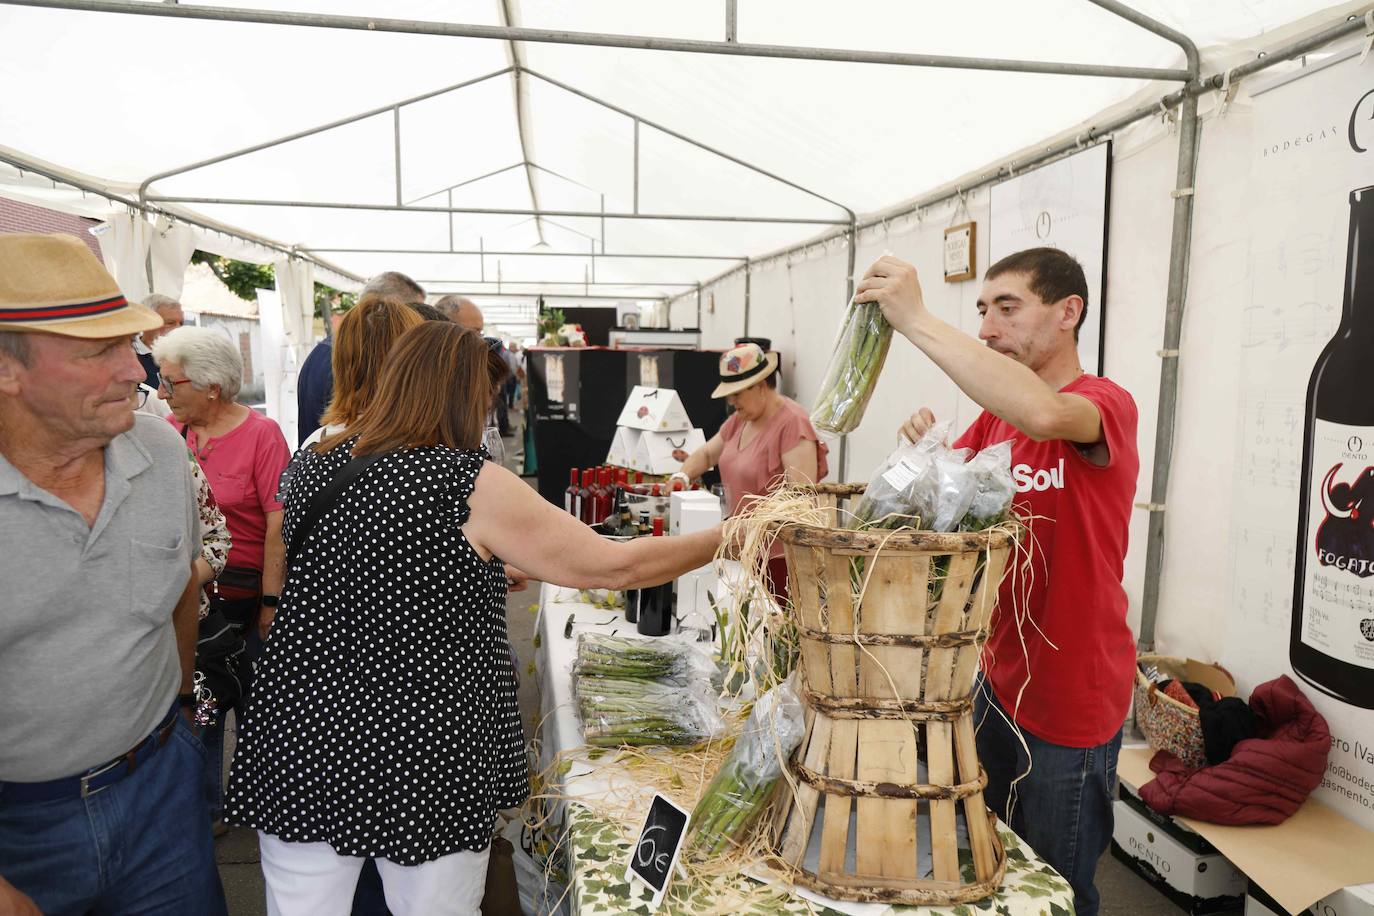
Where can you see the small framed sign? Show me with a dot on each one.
(655, 852)
(960, 244)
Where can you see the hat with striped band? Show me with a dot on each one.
(54, 284)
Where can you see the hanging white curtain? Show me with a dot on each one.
(296, 289)
(172, 245)
(279, 363)
(124, 241)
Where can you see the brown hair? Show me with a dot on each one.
(435, 389)
(1050, 273)
(365, 336)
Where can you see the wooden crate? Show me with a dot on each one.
(890, 628)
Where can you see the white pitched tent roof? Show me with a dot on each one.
(551, 127)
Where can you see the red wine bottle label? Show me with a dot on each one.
(1338, 599)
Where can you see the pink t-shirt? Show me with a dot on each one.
(1073, 652)
(757, 467)
(243, 467)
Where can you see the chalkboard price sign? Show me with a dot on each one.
(655, 852)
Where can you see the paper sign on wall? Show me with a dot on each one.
(654, 409)
(655, 852)
(654, 455)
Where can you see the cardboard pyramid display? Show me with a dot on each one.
(623, 447)
(654, 454)
(657, 409)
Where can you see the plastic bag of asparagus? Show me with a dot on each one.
(742, 787)
(642, 712)
(855, 364)
(600, 655)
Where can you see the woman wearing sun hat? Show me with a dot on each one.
(768, 439)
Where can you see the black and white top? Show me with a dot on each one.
(383, 717)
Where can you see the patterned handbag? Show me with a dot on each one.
(1167, 724)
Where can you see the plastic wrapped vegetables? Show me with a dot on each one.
(742, 786)
(993, 488)
(893, 498)
(638, 712)
(599, 655)
(854, 366)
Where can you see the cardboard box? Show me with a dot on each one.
(1348, 901)
(658, 409)
(1199, 883)
(1190, 838)
(654, 454)
(1315, 855)
(623, 447)
(691, 511)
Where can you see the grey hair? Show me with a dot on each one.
(208, 357)
(160, 303)
(15, 345)
(396, 287)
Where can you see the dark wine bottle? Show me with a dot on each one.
(584, 497)
(1331, 645)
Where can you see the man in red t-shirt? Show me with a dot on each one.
(1060, 659)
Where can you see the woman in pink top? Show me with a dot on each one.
(242, 454)
(769, 439)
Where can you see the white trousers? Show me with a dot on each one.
(311, 879)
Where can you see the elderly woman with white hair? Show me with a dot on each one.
(242, 454)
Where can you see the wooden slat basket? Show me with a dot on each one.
(890, 627)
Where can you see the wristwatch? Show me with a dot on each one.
(270, 600)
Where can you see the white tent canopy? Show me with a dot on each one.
(554, 128)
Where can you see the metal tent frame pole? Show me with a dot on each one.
(637, 42)
(27, 165)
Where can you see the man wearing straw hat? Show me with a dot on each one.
(1059, 662)
(101, 786)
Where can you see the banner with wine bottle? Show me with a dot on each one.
(1302, 526)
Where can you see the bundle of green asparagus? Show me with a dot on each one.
(600, 655)
(640, 712)
(744, 783)
(854, 366)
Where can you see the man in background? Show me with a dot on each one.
(169, 310)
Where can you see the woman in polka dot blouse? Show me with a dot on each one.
(383, 721)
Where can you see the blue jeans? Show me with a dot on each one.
(1062, 808)
(140, 846)
(212, 736)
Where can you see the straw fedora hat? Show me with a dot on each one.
(54, 284)
(742, 367)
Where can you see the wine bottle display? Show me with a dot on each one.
(1331, 645)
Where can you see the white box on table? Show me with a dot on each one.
(1199, 883)
(690, 511)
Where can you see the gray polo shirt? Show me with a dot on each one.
(88, 654)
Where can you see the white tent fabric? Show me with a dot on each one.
(855, 136)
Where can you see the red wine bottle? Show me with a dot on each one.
(1331, 645)
(570, 494)
(584, 497)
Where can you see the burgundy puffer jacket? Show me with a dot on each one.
(1267, 778)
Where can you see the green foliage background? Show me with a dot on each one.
(244, 279)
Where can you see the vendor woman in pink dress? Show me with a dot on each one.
(769, 439)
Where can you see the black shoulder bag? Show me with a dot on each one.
(323, 499)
